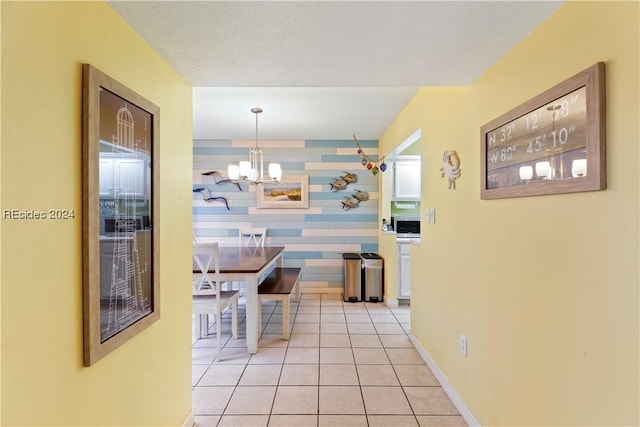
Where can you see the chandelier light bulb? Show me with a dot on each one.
(275, 172)
(245, 169)
(234, 172)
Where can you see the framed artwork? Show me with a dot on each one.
(553, 143)
(289, 193)
(120, 221)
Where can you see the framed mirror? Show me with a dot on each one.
(121, 286)
(551, 144)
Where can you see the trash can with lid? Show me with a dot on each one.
(352, 277)
(372, 267)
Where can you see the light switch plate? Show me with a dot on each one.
(430, 216)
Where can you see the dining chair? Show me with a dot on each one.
(252, 237)
(249, 237)
(208, 296)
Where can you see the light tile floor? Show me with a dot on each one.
(346, 364)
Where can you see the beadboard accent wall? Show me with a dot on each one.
(314, 238)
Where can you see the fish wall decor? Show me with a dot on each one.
(350, 203)
(361, 196)
(349, 178)
(338, 184)
(342, 182)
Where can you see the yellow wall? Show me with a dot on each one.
(545, 288)
(147, 380)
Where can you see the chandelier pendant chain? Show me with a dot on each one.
(256, 153)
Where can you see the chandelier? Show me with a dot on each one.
(252, 171)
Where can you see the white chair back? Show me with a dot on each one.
(208, 297)
(253, 237)
(207, 260)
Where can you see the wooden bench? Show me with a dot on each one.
(279, 285)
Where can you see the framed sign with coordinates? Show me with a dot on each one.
(553, 143)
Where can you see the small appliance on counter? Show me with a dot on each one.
(123, 224)
(406, 226)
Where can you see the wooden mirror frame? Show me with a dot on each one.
(147, 310)
(518, 152)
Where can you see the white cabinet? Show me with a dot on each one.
(106, 185)
(130, 177)
(122, 176)
(406, 180)
(404, 271)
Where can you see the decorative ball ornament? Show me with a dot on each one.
(368, 162)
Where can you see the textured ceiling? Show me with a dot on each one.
(323, 70)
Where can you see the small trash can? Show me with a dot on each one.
(352, 277)
(372, 267)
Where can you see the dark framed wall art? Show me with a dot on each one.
(553, 143)
(120, 224)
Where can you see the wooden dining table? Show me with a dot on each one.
(249, 265)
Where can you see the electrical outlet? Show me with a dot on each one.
(463, 345)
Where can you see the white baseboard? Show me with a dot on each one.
(446, 385)
(190, 421)
(391, 303)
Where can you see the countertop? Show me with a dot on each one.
(122, 236)
(404, 238)
(413, 240)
